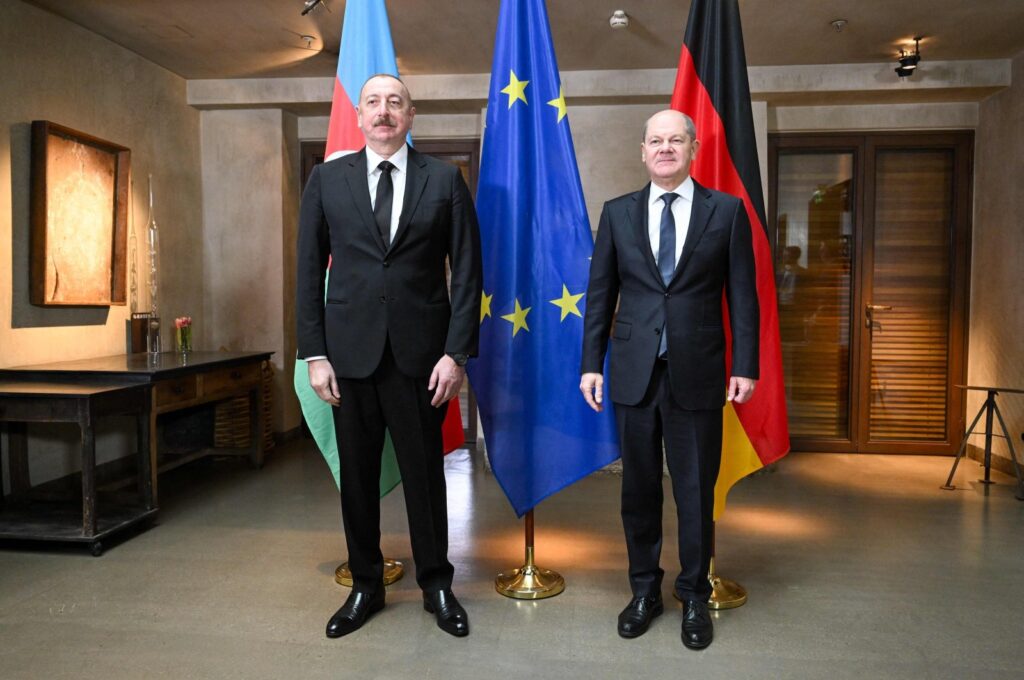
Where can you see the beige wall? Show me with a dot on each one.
(53, 70)
(250, 176)
(996, 353)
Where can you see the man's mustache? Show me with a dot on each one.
(383, 120)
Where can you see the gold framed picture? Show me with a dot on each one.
(79, 218)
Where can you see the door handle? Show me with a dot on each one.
(869, 310)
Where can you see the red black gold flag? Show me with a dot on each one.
(712, 88)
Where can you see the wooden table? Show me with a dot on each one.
(173, 381)
(25, 518)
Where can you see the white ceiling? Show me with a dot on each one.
(248, 38)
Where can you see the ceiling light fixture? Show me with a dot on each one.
(309, 5)
(619, 19)
(839, 25)
(909, 60)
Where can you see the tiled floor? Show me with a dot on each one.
(857, 567)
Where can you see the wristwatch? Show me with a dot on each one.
(459, 358)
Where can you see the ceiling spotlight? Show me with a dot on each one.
(309, 5)
(308, 39)
(839, 25)
(909, 60)
(619, 19)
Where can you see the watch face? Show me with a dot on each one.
(460, 359)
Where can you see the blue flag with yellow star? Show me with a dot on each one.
(541, 435)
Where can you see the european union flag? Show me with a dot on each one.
(541, 436)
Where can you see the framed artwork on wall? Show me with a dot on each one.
(79, 218)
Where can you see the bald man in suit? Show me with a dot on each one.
(666, 255)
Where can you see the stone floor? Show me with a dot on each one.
(857, 567)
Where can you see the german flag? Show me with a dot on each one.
(712, 88)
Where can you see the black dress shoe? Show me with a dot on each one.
(638, 614)
(353, 614)
(451, 617)
(697, 628)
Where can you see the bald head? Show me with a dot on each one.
(672, 114)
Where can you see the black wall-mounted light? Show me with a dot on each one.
(909, 60)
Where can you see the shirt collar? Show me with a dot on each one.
(399, 159)
(684, 190)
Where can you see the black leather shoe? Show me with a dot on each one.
(638, 614)
(451, 617)
(359, 607)
(697, 628)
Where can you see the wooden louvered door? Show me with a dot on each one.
(872, 255)
(913, 310)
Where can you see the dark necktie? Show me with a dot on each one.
(385, 197)
(667, 255)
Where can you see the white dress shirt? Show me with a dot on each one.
(400, 159)
(681, 208)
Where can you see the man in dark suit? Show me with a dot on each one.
(666, 254)
(388, 349)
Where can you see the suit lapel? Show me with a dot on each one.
(359, 187)
(637, 214)
(700, 214)
(415, 181)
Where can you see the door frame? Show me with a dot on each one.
(864, 146)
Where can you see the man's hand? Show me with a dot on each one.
(740, 389)
(446, 379)
(592, 386)
(323, 382)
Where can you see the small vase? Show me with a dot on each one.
(183, 339)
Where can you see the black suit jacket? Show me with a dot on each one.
(717, 255)
(400, 293)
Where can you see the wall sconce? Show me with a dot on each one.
(909, 60)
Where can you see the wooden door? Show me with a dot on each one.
(872, 237)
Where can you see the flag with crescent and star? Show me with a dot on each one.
(541, 436)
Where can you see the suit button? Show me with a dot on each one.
(657, 331)
(668, 295)
(386, 264)
(383, 298)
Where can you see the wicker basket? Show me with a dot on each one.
(231, 417)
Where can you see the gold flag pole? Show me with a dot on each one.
(393, 571)
(529, 582)
(725, 593)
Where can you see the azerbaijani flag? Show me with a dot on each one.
(366, 50)
(711, 87)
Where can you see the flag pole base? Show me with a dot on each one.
(393, 571)
(529, 582)
(725, 593)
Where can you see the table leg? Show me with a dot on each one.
(154, 440)
(256, 426)
(990, 405)
(1013, 453)
(948, 486)
(88, 473)
(17, 458)
(143, 434)
(2, 430)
